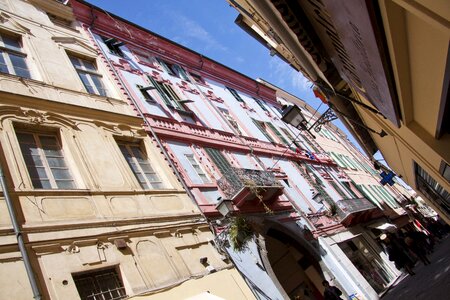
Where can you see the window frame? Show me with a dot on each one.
(44, 159)
(76, 277)
(233, 123)
(149, 185)
(82, 61)
(192, 156)
(6, 51)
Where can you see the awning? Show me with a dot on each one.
(384, 226)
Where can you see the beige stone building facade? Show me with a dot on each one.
(98, 207)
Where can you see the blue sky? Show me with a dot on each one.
(207, 27)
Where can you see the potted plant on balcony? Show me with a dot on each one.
(241, 232)
(332, 209)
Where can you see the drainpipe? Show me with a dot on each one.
(155, 136)
(20, 242)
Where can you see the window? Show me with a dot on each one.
(197, 78)
(432, 189)
(236, 95)
(259, 102)
(45, 161)
(144, 58)
(173, 69)
(278, 134)
(89, 75)
(231, 120)
(168, 95)
(12, 58)
(140, 166)
(100, 285)
(262, 127)
(145, 94)
(198, 169)
(113, 46)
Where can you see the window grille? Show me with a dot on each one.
(100, 285)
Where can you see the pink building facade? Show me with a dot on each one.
(314, 201)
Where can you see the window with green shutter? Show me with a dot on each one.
(168, 94)
(277, 133)
(262, 127)
(259, 102)
(235, 95)
(219, 160)
(223, 165)
(338, 190)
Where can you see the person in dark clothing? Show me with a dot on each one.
(397, 255)
(331, 292)
(416, 243)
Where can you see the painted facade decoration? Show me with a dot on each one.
(314, 204)
(369, 58)
(100, 212)
(115, 171)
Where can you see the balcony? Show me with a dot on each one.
(354, 211)
(246, 185)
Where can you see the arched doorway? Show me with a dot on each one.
(295, 268)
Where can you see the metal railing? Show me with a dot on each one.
(236, 179)
(350, 206)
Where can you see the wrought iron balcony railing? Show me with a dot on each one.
(351, 211)
(258, 182)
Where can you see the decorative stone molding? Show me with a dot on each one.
(35, 117)
(56, 8)
(17, 27)
(66, 42)
(187, 88)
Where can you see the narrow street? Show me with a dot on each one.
(430, 282)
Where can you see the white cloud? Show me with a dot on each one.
(283, 74)
(192, 33)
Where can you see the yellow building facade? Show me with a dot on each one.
(384, 66)
(98, 207)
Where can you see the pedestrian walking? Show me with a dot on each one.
(397, 255)
(414, 242)
(331, 292)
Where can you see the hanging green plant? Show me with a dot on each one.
(241, 232)
(333, 209)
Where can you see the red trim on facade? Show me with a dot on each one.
(110, 25)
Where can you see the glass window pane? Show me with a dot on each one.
(86, 82)
(41, 184)
(11, 43)
(89, 66)
(65, 184)
(20, 65)
(3, 66)
(59, 173)
(76, 62)
(99, 85)
(56, 162)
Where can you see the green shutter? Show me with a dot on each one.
(278, 134)
(235, 95)
(161, 92)
(338, 189)
(260, 104)
(262, 129)
(219, 160)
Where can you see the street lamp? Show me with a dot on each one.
(293, 115)
(225, 206)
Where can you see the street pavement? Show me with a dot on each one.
(431, 282)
